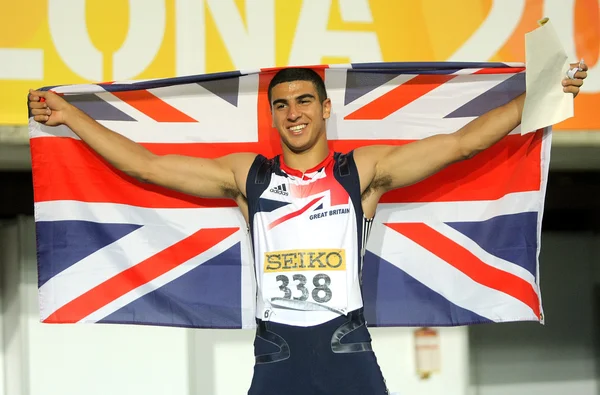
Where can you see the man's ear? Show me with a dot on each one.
(326, 108)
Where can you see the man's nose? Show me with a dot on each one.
(293, 113)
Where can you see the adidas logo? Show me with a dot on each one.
(280, 189)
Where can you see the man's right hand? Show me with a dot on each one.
(51, 111)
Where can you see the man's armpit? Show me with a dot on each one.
(382, 182)
(230, 191)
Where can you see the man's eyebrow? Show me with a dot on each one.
(305, 96)
(301, 97)
(277, 101)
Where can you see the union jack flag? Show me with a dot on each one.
(458, 248)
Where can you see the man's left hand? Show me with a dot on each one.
(573, 85)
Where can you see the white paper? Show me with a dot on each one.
(546, 66)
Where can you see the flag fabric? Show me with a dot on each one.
(458, 248)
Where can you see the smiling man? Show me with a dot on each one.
(309, 211)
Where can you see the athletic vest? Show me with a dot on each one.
(308, 235)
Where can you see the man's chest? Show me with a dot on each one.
(316, 202)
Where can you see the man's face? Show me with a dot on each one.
(298, 114)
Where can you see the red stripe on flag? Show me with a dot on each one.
(294, 214)
(140, 274)
(400, 96)
(465, 261)
(503, 70)
(511, 165)
(67, 169)
(152, 106)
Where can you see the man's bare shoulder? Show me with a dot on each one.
(239, 161)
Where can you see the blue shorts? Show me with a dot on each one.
(334, 358)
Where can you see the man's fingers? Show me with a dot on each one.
(37, 104)
(38, 95)
(41, 118)
(572, 82)
(33, 96)
(571, 89)
(41, 111)
(581, 74)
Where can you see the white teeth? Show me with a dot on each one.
(297, 128)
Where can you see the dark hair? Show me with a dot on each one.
(300, 74)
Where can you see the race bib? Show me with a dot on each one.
(306, 279)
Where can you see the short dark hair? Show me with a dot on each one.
(300, 74)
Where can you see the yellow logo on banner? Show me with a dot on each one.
(56, 42)
(301, 260)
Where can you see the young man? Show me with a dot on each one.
(309, 211)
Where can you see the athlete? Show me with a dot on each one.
(309, 212)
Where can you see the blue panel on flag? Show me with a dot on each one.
(61, 244)
(511, 237)
(393, 298)
(209, 296)
(97, 108)
(494, 97)
(359, 84)
(227, 89)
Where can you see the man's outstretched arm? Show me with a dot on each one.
(212, 178)
(384, 168)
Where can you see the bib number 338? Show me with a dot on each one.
(321, 293)
(312, 276)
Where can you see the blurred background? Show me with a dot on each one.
(54, 42)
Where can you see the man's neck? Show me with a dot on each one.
(305, 160)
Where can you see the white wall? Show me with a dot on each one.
(119, 359)
(562, 356)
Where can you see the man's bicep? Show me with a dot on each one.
(203, 177)
(408, 164)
